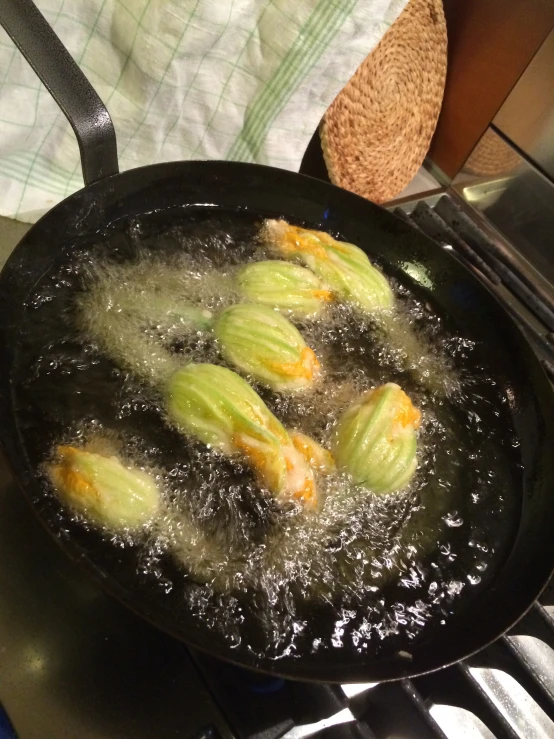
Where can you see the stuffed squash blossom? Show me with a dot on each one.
(285, 286)
(216, 406)
(375, 440)
(343, 267)
(263, 343)
(104, 489)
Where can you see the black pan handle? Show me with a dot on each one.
(67, 84)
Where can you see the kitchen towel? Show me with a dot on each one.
(244, 80)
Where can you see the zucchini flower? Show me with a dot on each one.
(284, 286)
(218, 407)
(343, 267)
(375, 440)
(264, 344)
(103, 489)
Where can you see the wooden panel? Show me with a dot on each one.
(490, 44)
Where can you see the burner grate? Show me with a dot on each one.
(525, 295)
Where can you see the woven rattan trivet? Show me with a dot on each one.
(377, 131)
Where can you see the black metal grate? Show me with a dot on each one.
(504, 692)
(496, 265)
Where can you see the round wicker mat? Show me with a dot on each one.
(378, 129)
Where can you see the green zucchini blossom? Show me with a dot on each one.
(263, 343)
(343, 267)
(216, 406)
(285, 286)
(102, 488)
(375, 440)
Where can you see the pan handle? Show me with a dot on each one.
(66, 83)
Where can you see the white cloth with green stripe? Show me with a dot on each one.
(183, 79)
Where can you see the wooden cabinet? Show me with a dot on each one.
(491, 42)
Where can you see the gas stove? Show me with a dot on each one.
(74, 663)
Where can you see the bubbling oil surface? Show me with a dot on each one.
(365, 574)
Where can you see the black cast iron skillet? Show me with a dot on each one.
(109, 196)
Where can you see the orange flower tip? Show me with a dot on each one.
(304, 368)
(326, 296)
(407, 414)
(309, 359)
(307, 494)
(258, 459)
(71, 483)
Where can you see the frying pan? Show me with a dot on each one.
(110, 196)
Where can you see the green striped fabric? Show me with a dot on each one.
(245, 80)
(309, 45)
